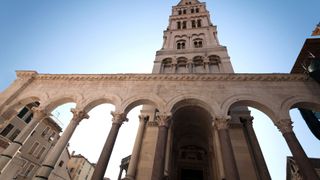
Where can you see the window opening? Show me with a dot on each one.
(199, 22)
(184, 11)
(23, 112)
(41, 152)
(193, 23)
(15, 134)
(179, 25)
(7, 130)
(33, 147)
(184, 25)
(61, 163)
(28, 171)
(45, 131)
(197, 10)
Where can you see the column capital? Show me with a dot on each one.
(247, 120)
(163, 119)
(78, 115)
(144, 118)
(222, 122)
(118, 117)
(39, 113)
(284, 125)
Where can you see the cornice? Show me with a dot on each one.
(174, 77)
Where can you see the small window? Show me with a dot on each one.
(45, 131)
(7, 130)
(197, 10)
(178, 25)
(181, 44)
(28, 171)
(193, 23)
(179, 12)
(184, 11)
(184, 25)
(197, 43)
(199, 22)
(15, 134)
(23, 112)
(192, 10)
(71, 170)
(51, 137)
(41, 152)
(28, 119)
(61, 163)
(33, 147)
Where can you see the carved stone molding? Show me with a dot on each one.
(38, 113)
(26, 74)
(152, 124)
(163, 119)
(118, 118)
(284, 125)
(174, 77)
(79, 115)
(222, 122)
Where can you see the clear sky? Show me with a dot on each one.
(108, 36)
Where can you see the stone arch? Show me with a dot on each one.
(59, 100)
(92, 103)
(19, 104)
(248, 100)
(191, 99)
(299, 102)
(137, 100)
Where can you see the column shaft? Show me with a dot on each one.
(159, 157)
(259, 161)
(8, 154)
(229, 162)
(104, 158)
(131, 173)
(105, 155)
(307, 170)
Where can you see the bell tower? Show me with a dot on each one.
(190, 43)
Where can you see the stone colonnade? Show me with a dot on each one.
(163, 119)
(163, 92)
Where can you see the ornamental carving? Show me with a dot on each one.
(222, 122)
(118, 118)
(174, 77)
(284, 125)
(163, 119)
(248, 121)
(38, 113)
(78, 115)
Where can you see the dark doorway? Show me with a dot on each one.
(191, 174)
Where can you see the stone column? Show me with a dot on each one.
(163, 120)
(229, 162)
(118, 119)
(53, 156)
(307, 170)
(259, 161)
(8, 154)
(131, 173)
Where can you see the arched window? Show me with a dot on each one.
(179, 12)
(181, 44)
(182, 65)
(198, 43)
(199, 22)
(193, 23)
(167, 65)
(197, 10)
(198, 64)
(184, 11)
(184, 25)
(214, 62)
(178, 25)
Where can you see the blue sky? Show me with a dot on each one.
(82, 36)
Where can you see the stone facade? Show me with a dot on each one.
(80, 168)
(194, 122)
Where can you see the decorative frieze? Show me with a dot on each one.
(174, 77)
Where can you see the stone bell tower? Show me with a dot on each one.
(193, 150)
(190, 43)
